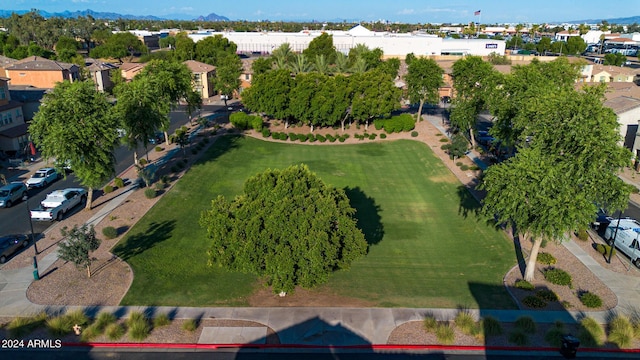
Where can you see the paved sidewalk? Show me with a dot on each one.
(321, 326)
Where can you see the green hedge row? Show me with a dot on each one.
(243, 121)
(400, 123)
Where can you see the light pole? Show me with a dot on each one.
(615, 234)
(36, 274)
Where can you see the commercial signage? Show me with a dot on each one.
(491, 46)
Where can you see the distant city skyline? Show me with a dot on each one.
(406, 11)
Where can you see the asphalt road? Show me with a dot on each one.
(16, 219)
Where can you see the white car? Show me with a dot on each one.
(43, 177)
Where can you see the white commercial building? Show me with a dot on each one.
(392, 44)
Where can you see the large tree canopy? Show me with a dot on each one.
(288, 226)
(424, 77)
(568, 168)
(75, 123)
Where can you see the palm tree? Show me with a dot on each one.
(283, 53)
(360, 66)
(342, 63)
(300, 64)
(321, 65)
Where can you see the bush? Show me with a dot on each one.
(190, 325)
(459, 163)
(103, 320)
(519, 338)
(590, 300)
(321, 138)
(621, 332)
(444, 140)
(430, 323)
(557, 276)
(138, 326)
(90, 332)
(302, 137)
(445, 334)
(403, 122)
(524, 285)
(293, 136)
(161, 320)
(583, 235)
(114, 331)
(554, 335)
(383, 136)
(341, 139)
(331, 138)
(311, 137)
(414, 134)
(491, 326)
(547, 295)
(526, 324)
(546, 258)
(466, 323)
(605, 250)
(110, 232)
(149, 193)
(158, 148)
(590, 333)
(534, 302)
(142, 162)
(371, 137)
(108, 189)
(464, 167)
(118, 182)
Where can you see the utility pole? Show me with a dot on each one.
(36, 274)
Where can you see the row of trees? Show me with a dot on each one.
(566, 146)
(77, 123)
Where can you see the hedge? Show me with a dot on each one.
(557, 276)
(243, 121)
(400, 123)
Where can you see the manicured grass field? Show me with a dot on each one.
(427, 246)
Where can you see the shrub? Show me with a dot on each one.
(161, 320)
(383, 136)
(149, 193)
(524, 285)
(534, 302)
(445, 333)
(302, 137)
(371, 137)
(63, 324)
(546, 258)
(190, 325)
(621, 331)
(474, 167)
(583, 235)
(118, 182)
(108, 189)
(341, 139)
(110, 232)
(459, 163)
(158, 148)
(414, 134)
(444, 140)
(519, 338)
(21, 326)
(464, 167)
(430, 323)
(142, 162)
(160, 186)
(526, 324)
(605, 250)
(165, 179)
(138, 326)
(466, 323)
(321, 138)
(331, 138)
(557, 276)
(554, 335)
(311, 137)
(590, 332)
(590, 300)
(103, 320)
(90, 332)
(293, 136)
(547, 295)
(114, 331)
(491, 326)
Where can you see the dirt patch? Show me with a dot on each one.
(264, 297)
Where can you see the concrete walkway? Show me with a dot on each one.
(320, 326)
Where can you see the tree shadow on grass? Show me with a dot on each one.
(468, 204)
(144, 240)
(367, 214)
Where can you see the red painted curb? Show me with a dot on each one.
(345, 347)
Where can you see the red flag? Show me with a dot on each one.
(32, 148)
(476, 13)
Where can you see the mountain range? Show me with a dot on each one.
(114, 16)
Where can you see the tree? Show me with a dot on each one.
(261, 65)
(75, 123)
(374, 95)
(288, 226)
(474, 81)
(181, 137)
(210, 49)
(78, 245)
(185, 48)
(544, 44)
(227, 80)
(615, 59)
(424, 78)
(302, 95)
(568, 169)
(575, 45)
(300, 64)
(67, 49)
(321, 46)
(119, 46)
(193, 103)
(141, 110)
(269, 93)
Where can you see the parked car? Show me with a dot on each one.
(12, 193)
(483, 138)
(626, 238)
(59, 202)
(43, 177)
(157, 138)
(10, 244)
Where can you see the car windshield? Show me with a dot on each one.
(38, 175)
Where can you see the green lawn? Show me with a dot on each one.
(428, 249)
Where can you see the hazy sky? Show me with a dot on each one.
(409, 11)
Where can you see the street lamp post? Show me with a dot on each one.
(615, 234)
(36, 274)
